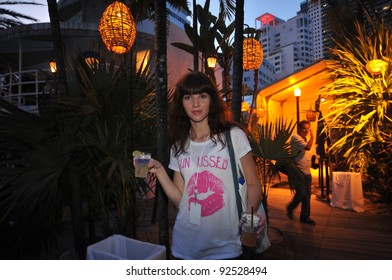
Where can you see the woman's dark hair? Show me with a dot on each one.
(219, 117)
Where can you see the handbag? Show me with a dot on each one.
(263, 242)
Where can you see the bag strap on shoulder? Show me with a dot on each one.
(233, 163)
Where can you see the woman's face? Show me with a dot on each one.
(197, 106)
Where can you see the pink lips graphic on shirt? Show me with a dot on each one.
(210, 192)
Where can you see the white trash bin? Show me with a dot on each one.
(118, 247)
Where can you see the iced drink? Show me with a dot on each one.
(141, 164)
(248, 231)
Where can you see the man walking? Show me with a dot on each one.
(300, 149)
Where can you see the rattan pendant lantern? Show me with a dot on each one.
(117, 28)
(376, 66)
(252, 54)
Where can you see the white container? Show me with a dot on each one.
(118, 247)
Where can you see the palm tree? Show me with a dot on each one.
(214, 34)
(194, 37)
(156, 10)
(9, 18)
(270, 146)
(62, 90)
(362, 108)
(237, 64)
(161, 121)
(253, 33)
(87, 132)
(225, 57)
(226, 8)
(61, 80)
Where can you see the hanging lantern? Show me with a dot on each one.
(117, 28)
(311, 115)
(244, 106)
(376, 66)
(261, 104)
(53, 66)
(211, 61)
(252, 54)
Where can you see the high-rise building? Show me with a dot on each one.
(321, 13)
(265, 76)
(287, 45)
(315, 11)
(177, 16)
(291, 45)
(377, 9)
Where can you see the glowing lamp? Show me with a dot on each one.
(252, 54)
(53, 66)
(117, 28)
(244, 106)
(297, 92)
(211, 61)
(376, 66)
(91, 61)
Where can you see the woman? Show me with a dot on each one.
(207, 224)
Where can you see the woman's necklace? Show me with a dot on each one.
(198, 163)
(199, 137)
(195, 208)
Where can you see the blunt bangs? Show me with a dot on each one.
(194, 83)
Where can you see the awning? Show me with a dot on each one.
(309, 80)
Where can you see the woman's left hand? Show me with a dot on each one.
(261, 224)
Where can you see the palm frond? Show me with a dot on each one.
(361, 100)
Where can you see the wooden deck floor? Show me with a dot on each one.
(338, 235)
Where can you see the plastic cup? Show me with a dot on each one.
(141, 164)
(249, 230)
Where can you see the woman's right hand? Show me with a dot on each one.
(154, 166)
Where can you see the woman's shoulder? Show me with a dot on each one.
(235, 127)
(238, 134)
(236, 130)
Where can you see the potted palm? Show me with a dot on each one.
(270, 145)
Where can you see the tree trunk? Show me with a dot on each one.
(254, 98)
(227, 78)
(58, 48)
(77, 215)
(62, 89)
(237, 62)
(195, 50)
(161, 95)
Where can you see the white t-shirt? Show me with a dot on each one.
(206, 168)
(302, 156)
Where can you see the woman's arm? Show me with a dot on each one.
(253, 190)
(252, 181)
(173, 189)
